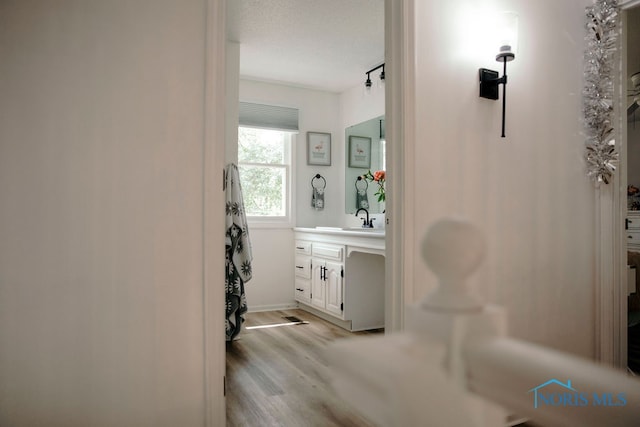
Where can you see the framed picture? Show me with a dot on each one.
(319, 148)
(359, 152)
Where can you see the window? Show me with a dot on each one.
(264, 160)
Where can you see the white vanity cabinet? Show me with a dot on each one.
(340, 276)
(319, 275)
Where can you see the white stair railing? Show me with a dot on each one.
(454, 366)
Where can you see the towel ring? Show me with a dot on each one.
(318, 176)
(361, 188)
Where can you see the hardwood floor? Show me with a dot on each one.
(276, 376)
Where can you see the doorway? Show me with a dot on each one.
(395, 17)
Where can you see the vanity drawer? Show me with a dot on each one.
(633, 237)
(303, 247)
(303, 291)
(303, 268)
(333, 252)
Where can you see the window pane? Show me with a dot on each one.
(264, 190)
(261, 146)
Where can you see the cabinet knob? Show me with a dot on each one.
(299, 266)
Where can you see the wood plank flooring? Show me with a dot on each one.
(276, 376)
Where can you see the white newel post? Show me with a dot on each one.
(454, 366)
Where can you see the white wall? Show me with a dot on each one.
(101, 188)
(527, 191)
(271, 287)
(357, 107)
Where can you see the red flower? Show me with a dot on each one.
(378, 177)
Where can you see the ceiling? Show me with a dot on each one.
(318, 44)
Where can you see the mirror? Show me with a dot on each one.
(365, 147)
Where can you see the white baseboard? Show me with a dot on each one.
(345, 324)
(272, 307)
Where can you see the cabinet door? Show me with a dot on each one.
(317, 283)
(333, 283)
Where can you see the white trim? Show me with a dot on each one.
(213, 217)
(611, 210)
(273, 307)
(621, 294)
(604, 273)
(399, 38)
(345, 324)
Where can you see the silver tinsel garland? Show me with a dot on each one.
(602, 33)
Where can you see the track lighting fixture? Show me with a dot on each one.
(367, 83)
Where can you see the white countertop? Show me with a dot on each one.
(378, 233)
(367, 240)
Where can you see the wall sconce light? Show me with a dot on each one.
(367, 83)
(506, 33)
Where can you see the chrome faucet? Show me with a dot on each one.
(366, 222)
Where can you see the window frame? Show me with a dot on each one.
(288, 219)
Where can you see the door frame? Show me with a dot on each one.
(213, 146)
(400, 113)
(611, 247)
(399, 109)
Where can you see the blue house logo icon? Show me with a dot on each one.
(535, 390)
(563, 395)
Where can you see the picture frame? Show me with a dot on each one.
(359, 152)
(319, 148)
